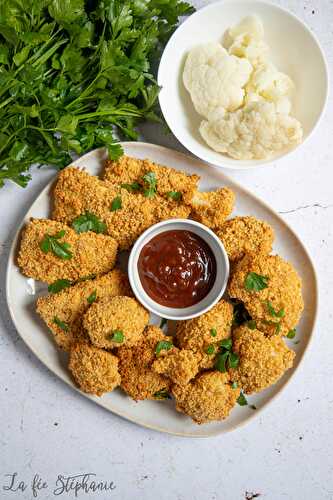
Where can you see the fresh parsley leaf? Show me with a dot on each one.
(164, 322)
(116, 204)
(234, 385)
(210, 349)
(241, 400)
(251, 324)
(213, 332)
(117, 336)
(64, 326)
(150, 184)
(255, 282)
(88, 222)
(59, 285)
(162, 394)
(233, 360)
(174, 195)
(291, 334)
(273, 312)
(92, 297)
(226, 344)
(52, 244)
(75, 75)
(135, 186)
(221, 361)
(163, 345)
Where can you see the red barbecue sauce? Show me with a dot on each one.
(177, 268)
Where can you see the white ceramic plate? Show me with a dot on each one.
(161, 415)
(294, 50)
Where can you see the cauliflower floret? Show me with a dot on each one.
(254, 132)
(215, 79)
(245, 40)
(267, 83)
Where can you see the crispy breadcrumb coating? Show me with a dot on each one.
(84, 248)
(212, 208)
(208, 397)
(94, 370)
(199, 333)
(262, 360)
(77, 192)
(70, 304)
(124, 315)
(127, 170)
(242, 235)
(283, 292)
(138, 379)
(180, 366)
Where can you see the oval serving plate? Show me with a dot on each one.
(161, 415)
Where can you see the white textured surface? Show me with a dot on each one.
(47, 428)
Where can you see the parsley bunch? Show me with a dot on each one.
(76, 75)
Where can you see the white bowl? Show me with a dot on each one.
(294, 50)
(222, 270)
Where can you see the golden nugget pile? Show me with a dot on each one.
(209, 362)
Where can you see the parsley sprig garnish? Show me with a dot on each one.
(162, 394)
(117, 336)
(255, 282)
(62, 325)
(150, 184)
(59, 248)
(163, 345)
(88, 222)
(226, 358)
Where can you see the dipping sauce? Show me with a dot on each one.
(177, 268)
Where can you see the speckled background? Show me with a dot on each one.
(287, 453)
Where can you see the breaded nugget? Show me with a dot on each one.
(180, 366)
(138, 379)
(208, 397)
(277, 308)
(262, 360)
(111, 322)
(84, 247)
(242, 235)
(206, 330)
(94, 370)
(212, 208)
(70, 304)
(77, 192)
(127, 170)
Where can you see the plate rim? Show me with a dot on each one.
(99, 401)
(289, 153)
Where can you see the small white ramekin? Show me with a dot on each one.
(222, 269)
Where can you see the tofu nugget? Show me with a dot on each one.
(138, 379)
(207, 330)
(208, 397)
(111, 322)
(262, 360)
(70, 304)
(129, 170)
(50, 251)
(212, 208)
(127, 215)
(94, 370)
(270, 290)
(180, 366)
(243, 235)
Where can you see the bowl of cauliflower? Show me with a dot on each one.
(237, 90)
